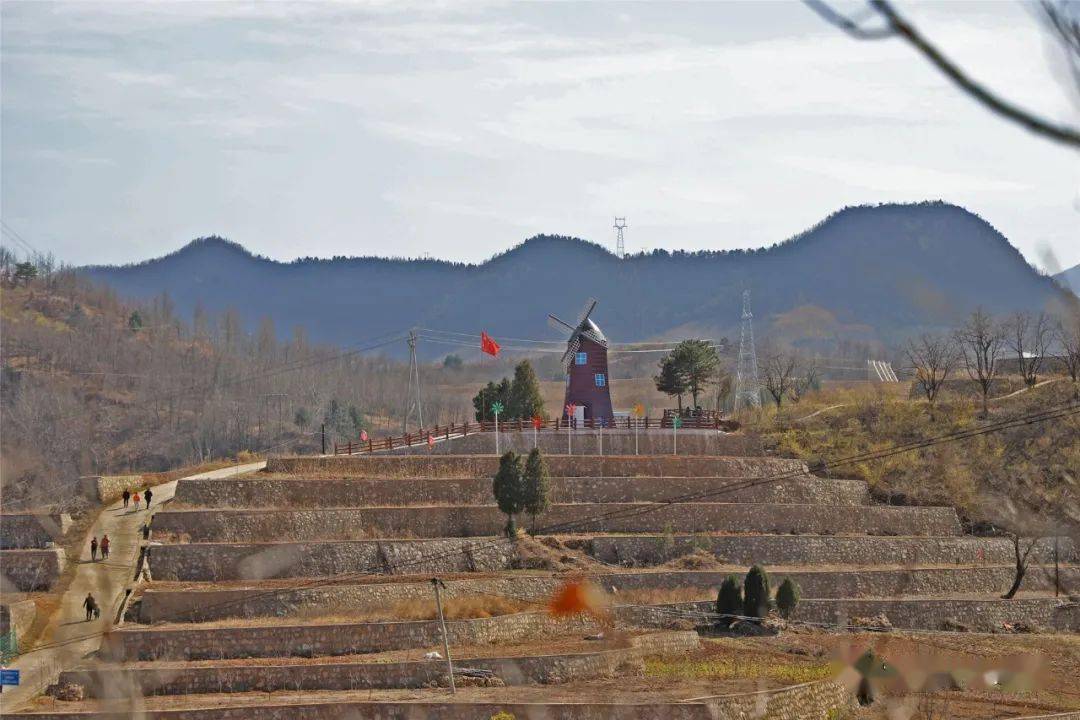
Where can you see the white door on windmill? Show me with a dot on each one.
(579, 415)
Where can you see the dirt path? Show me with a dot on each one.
(68, 637)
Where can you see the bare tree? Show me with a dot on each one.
(1022, 555)
(931, 358)
(805, 379)
(1062, 22)
(1028, 337)
(979, 341)
(778, 375)
(1068, 335)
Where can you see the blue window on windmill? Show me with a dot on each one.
(581, 359)
(600, 380)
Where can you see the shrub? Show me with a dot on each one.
(507, 488)
(756, 602)
(729, 600)
(787, 597)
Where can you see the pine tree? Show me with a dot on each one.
(536, 485)
(507, 488)
(787, 597)
(756, 600)
(487, 396)
(669, 381)
(729, 600)
(525, 400)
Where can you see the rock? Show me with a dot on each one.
(68, 692)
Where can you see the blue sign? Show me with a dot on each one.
(9, 677)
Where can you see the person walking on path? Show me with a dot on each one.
(93, 549)
(91, 606)
(126, 496)
(146, 530)
(148, 494)
(105, 547)
(135, 499)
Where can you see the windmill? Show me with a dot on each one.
(586, 365)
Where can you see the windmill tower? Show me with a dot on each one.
(747, 387)
(586, 365)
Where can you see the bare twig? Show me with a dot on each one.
(897, 25)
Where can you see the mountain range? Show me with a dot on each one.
(869, 273)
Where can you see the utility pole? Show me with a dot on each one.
(324, 438)
(414, 372)
(437, 583)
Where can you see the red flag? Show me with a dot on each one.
(537, 421)
(488, 345)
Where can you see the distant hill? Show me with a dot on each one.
(1070, 278)
(867, 273)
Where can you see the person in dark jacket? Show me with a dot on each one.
(91, 606)
(93, 548)
(126, 496)
(148, 494)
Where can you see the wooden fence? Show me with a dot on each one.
(456, 430)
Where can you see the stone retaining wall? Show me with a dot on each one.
(809, 701)
(588, 442)
(481, 466)
(32, 530)
(30, 570)
(279, 492)
(976, 614)
(645, 550)
(109, 488)
(445, 521)
(17, 615)
(178, 679)
(214, 604)
(310, 640)
(254, 561)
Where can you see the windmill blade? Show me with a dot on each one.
(559, 324)
(571, 350)
(586, 310)
(594, 336)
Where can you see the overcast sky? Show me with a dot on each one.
(461, 129)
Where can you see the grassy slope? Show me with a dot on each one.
(1018, 472)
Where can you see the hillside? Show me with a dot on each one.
(1070, 278)
(864, 273)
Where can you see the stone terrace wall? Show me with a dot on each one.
(17, 615)
(160, 604)
(587, 442)
(32, 530)
(645, 551)
(360, 492)
(253, 561)
(30, 570)
(186, 680)
(933, 613)
(978, 615)
(817, 700)
(480, 466)
(225, 525)
(409, 710)
(308, 640)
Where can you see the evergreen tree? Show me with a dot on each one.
(302, 418)
(669, 381)
(787, 597)
(729, 601)
(25, 272)
(696, 363)
(536, 485)
(135, 321)
(756, 600)
(487, 396)
(507, 488)
(525, 400)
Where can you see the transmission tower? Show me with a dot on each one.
(620, 243)
(414, 403)
(747, 388)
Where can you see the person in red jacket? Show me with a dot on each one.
(105, 547)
